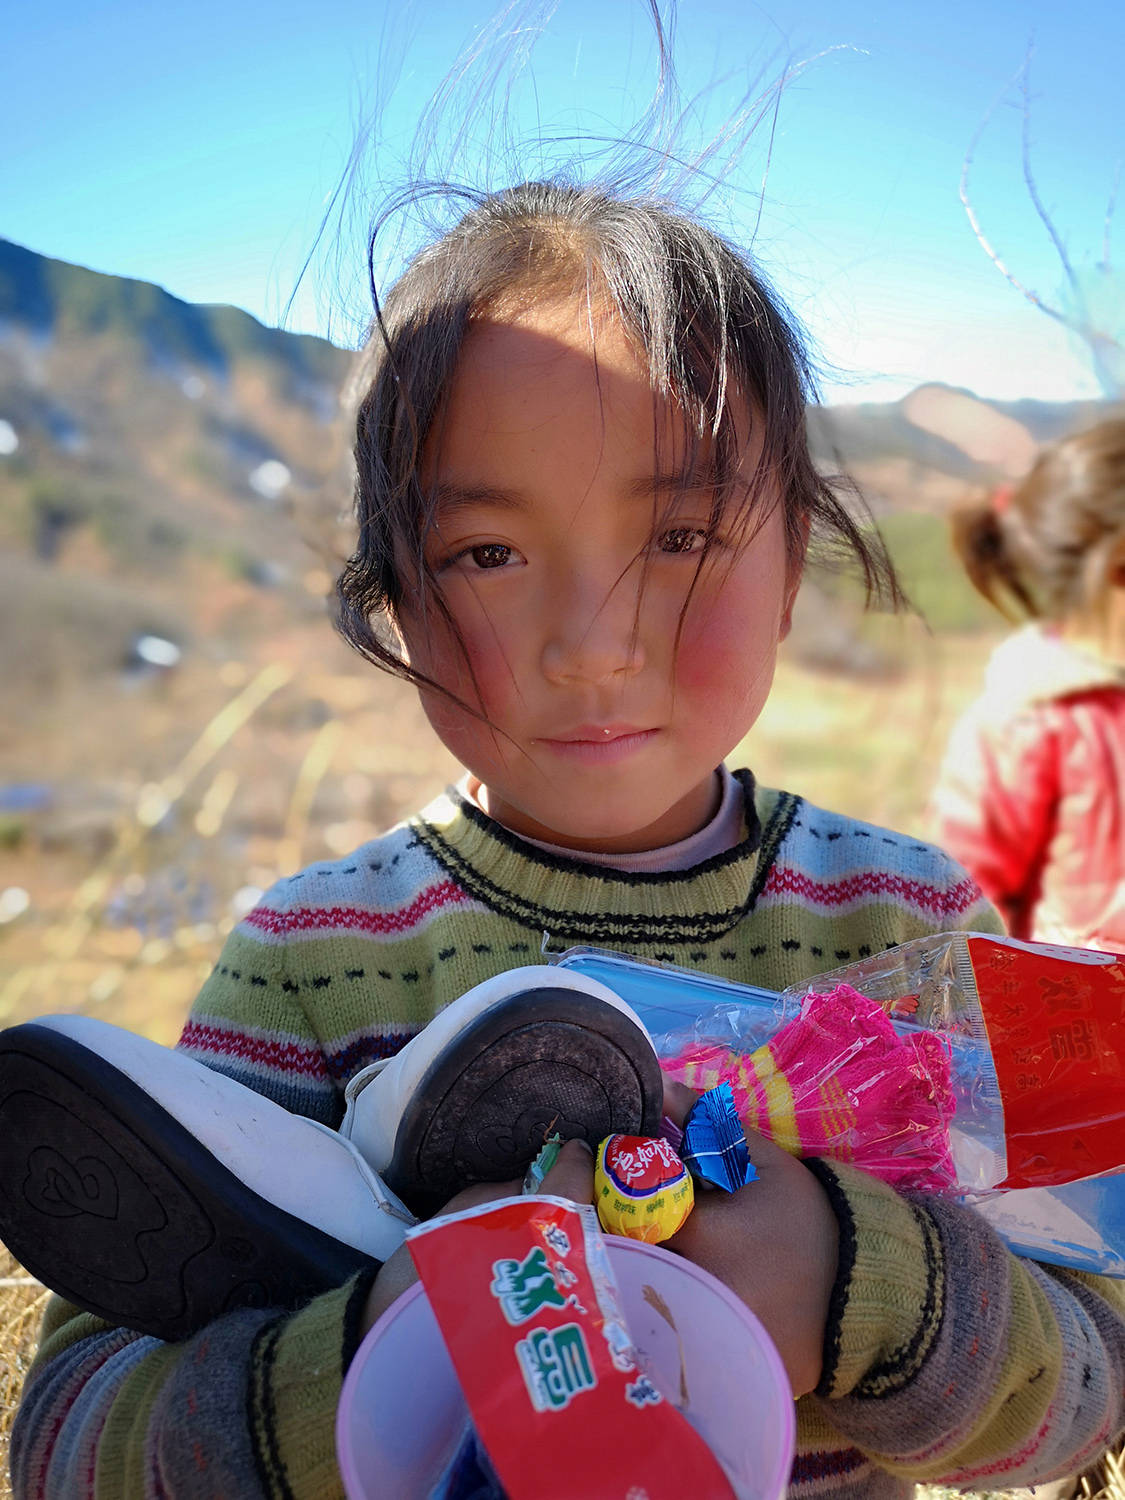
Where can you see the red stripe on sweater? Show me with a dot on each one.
(324, 919)
(997, 1466)
(945, 900)
(1030, 1449)
(68, 1391)
(260, 1052)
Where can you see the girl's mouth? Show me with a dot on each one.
(591, 744)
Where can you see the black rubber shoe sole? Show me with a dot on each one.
(547, 1061)
(108, 1200)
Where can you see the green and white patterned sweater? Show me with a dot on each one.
(946, 1358)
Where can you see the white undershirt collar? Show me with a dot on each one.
(722, 832)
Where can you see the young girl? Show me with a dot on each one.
(584, 499)
(1032, 792)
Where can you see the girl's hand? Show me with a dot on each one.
(774, 1243)
(571, 1177)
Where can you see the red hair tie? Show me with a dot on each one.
(1001, 498)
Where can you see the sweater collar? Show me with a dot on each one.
(572, 901)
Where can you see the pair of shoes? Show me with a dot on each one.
(157, 1193)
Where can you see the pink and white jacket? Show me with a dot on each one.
(1031, 795)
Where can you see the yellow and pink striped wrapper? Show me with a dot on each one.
(839, 1081)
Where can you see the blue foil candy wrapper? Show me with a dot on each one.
(714, 1146)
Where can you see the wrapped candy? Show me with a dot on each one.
(642, 1189)
(714, 1140)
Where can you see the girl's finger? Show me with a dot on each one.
(678, 1100)
(481, 1192)
(572, 1176)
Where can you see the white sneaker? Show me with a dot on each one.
(153, 1191)
(532, 1052)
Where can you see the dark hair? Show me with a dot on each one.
(1045, 548)
(715, 337)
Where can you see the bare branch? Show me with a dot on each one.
(970, 212)
(1032, 188)
(1104, 348)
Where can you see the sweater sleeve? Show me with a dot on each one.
(967, 908)
(247, 1407)
(948, 1359)
(994, 803)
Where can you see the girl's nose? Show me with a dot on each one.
(592, 642)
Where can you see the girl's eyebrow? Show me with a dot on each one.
(451, 497)
(672, 484)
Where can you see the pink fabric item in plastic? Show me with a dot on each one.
(839, 1081)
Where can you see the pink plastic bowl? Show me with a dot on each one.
(401, 1410)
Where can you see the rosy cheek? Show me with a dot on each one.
(451, 656)
(468, 739)
(725, 668)
(489, 666)
(715, 649)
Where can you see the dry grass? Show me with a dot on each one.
(21, 1307)
(1104, 1482)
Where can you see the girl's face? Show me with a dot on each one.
(613, 687)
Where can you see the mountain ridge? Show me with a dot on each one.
(51, 296)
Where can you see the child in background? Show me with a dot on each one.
(1031, 796)
(584, 501)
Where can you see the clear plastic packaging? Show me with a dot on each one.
(1027, 1085)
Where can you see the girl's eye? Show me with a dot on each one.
(481, 557)
(683, 539)
(487, 555)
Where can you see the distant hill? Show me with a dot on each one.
(53, 302)
(156, 454)
(873, 435)
(56, 299)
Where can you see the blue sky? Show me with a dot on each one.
(197, 147)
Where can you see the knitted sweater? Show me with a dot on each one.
(944, 1354)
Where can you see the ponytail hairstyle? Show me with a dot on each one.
(1051, 547)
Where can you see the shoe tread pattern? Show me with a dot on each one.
(111, 1202)
(540, 1063)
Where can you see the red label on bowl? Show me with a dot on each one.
(528, 1309)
